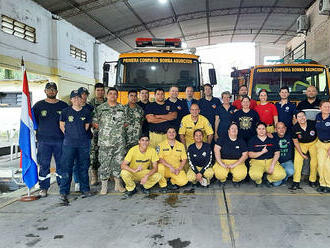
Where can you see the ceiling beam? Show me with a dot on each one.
(175, 18)
(237, 19)
(201, 14)
(289, 28)
(265, 20)
(110, 33)
(129, 6)
(207, 8)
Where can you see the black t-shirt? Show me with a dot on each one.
(142, 105)
(75, 133)
(286, 147)
(231, 149)
(159, 109)
(247, 123)
(47, 116)
(200, 157)
(178, 106)
(256, 145)
(306, 105)
(304, 136)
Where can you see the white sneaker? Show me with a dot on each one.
(77, 187)
(203, 182)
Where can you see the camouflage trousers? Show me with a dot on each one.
(110, 159)
(94, 154)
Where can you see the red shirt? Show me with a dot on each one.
(267, 112)
(238, 104)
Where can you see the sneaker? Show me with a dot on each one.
(312, 184)
(77, 187)
(203, 182)
(268, 184)
(162, 190)
(64, 198)
(321, 189)
(295, 186)
(86, 194)
(43, 193)
(145, 191)
(130, 193)
(172, 186)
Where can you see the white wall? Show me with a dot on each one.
(263, 50)
(317, 38)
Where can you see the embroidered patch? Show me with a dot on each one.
(70, 118)
(43, 113)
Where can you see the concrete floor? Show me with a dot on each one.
(214, 217)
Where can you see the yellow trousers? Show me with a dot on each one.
(270, 129)
(239, 172)
(208, 174)
(180, 179)
(259, 167)
(156, 138)
(299, 160)
(131, 178)
(323, 163)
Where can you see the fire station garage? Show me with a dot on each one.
(165, 123)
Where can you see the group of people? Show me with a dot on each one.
(173, 142)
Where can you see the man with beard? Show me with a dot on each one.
(243, 91)
(49, 136)
(311, 101)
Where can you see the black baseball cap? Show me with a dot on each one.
(83, 90)
(51, 85)
(74, 93)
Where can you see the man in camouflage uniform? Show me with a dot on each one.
(111, 121)
(94, 162)
(135, 119)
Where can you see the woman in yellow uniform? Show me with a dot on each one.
(230, 154)
(323, 146)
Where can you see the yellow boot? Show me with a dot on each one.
(104, 187)
(118, 186)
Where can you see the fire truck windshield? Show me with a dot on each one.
(296, 78)
(153, 73)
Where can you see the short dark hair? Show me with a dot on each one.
(112, 89)
(261, 123)
(209, 85)
(159, 89)
(284, 88)
(170, 128)
(143, 89)
(144, 135)
(99, 85)
(296, 114)
(233, 123)
(243, 85)
(247, 97)
(198, 130)
(132, 91)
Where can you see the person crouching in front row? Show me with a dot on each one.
(230, 154)
(264, 153)
(135, 167)
(200, 160)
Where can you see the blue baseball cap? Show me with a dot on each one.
(74, 93)
(83, 90)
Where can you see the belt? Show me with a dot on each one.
(325, 141)
(157, 132)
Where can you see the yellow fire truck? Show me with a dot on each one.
(297, 77)
(157, 64)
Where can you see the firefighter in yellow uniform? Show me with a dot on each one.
(172, 158)
(135, 167)
(192, 122)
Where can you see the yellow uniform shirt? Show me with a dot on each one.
(188, 127)
(136, 158)
(174, 155)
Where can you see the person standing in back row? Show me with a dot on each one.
(177, 103)
(243, 91)
(286, 109)
(49, 136)
(95, 102)
(186, 103)
(311, 101)
(144, 101)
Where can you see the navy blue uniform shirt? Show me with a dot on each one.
(306, 105)
(231, 149)
(247, 123)
(286, 113)
(305, 136)
(178, 106)
(256, 145)
(159, 109)
(75, 134)
(90, 108)
(286, 147)
(200, 157)
(185, 107)
(47, 116)
(323, 128)
(208, 108)
(226, 117)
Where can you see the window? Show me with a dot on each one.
(78, 53)
(11, 99)
(19, 29)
